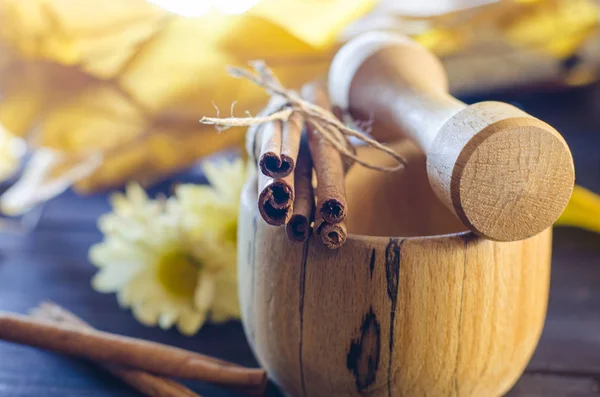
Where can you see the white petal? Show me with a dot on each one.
(205, 292)
(189, 323)
(113, 253)
(227, 177)
(136, 194)
(124, 298)
(166, 319)
(145, 314)
(112, 278)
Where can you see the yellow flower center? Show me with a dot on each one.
(178, 274)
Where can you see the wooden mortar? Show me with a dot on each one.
(504, 173)
(411, 305)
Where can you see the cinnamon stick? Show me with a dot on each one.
(298, 227)
(329, 167)
(150, 385)
(279, 146)
(275, 199)
(275, 188)
(332, 236)
(147, 384)
(135, 353)
(52, 311)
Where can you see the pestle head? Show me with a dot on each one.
(506, 175)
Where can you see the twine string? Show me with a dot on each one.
(325, 123)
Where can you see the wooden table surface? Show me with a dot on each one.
(51, 263)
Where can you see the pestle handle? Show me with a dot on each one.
(504, 173)
(395, 81)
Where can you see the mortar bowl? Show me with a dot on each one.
(411, 305)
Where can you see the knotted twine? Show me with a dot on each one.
(325, 123)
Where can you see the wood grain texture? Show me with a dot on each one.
(505, 174)
(513, 174)
(361, 320)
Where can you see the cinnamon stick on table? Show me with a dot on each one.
(135, 353)
(147, 384)
(298, 227)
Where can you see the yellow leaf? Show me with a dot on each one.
(105, 56)
(130, 81)
(98, 118)
(442, 41)
(318, 23)
(163, 152)
(268, 41)
(557, 28)
(19, 111)
(68, 31)
(30, 89)
(24, 23)
(77, 17)
(583, 210)
(224, 90)
(180, 62)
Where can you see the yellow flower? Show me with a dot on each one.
(210, 214)
(12, 149)
(173, 261)
(213, 211)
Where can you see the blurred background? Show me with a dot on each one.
(97, 94)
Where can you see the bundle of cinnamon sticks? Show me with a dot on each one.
(286, 153)
(285, 157)
(145, 366)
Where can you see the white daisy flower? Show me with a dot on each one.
(173, 262)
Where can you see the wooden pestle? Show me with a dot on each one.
(504, 173)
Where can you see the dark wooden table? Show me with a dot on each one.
(51, 263)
